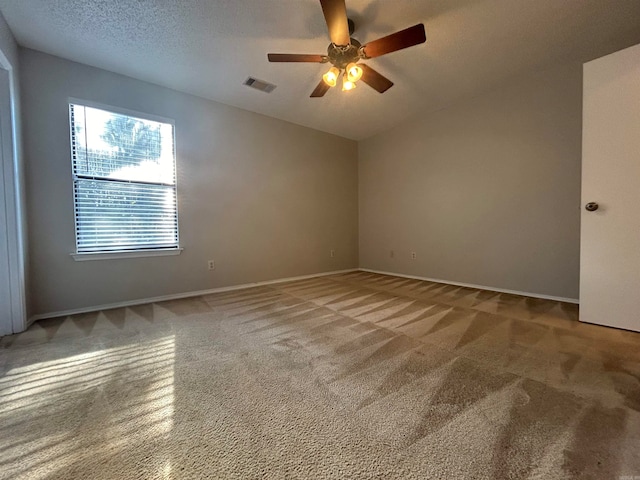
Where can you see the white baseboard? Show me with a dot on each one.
(480, 287)
(177, 296)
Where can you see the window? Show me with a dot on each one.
(124, 181)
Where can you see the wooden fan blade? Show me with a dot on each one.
(296, 57)
(396, 41)
(335, 14)
(320, 90)
(374, 79)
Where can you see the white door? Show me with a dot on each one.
(610, 235)
(6, 326)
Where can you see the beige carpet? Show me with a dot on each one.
(349, 376)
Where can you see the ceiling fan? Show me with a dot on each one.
(345, 52)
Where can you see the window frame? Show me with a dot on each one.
(124, 253)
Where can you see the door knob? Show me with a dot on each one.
(591, 206)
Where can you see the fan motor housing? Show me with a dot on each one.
(342, 55)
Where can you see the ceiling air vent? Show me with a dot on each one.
(259, 85)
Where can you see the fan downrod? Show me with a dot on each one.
(342, 55)
(352, 26)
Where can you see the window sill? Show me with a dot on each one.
(83, 257)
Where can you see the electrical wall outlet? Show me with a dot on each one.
(332, 253)
(413, 255)
(211, 265)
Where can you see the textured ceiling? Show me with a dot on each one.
(208, 48)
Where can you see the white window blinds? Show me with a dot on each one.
(124, 179)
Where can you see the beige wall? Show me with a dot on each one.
(486, 192)
(264, 198)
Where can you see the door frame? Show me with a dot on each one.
(13, 317)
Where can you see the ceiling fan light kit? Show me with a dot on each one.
(331, 77)
(354, 72)
(347, 84)
(344, 52)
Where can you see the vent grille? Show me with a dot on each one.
(259, 85)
